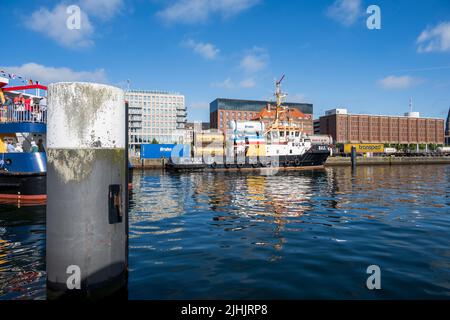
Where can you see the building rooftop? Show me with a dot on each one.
(330, 112)
(292, 113)
(154, 92)
(259, 101)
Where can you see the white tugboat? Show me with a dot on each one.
(252, 144)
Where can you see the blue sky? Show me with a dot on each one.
(236, 48)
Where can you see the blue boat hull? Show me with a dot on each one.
(23, 163)
(23, 176)
(23, 186)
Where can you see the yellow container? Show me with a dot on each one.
(256, 150)
(199, 151)
(202, 138)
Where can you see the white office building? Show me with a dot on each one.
(155, 115)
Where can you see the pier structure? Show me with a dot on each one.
(87, 209)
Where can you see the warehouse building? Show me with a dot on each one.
(363, 128)
(222, 111)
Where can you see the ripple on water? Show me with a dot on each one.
(22, 251)
(307, 234)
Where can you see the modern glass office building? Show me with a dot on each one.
(223, 110)
(155, 115)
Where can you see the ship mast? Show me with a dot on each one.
(279, 98)
(279, 95)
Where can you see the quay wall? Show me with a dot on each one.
(138, 163)
(346, 161)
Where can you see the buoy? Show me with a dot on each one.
(87, 188)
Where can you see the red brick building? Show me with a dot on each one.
(359, 128)
(222, 111)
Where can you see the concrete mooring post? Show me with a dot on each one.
(87, 211)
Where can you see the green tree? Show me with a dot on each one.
(154, 141)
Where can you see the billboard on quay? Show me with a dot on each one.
(158, 151)
(364, 147)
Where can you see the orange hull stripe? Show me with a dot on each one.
(24, 197)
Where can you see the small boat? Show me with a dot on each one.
(22, 144)
(253, 144)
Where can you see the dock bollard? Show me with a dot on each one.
(353, 157)
(87, 211)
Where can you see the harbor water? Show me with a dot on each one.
(292, 235)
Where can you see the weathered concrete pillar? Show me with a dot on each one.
(87, 211)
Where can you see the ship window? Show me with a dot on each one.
(297, 134)
(290, 151)
(281, 133)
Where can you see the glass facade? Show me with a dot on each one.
(253, 105)
(155, 115)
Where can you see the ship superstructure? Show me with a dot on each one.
(22, 143)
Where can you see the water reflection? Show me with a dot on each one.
(249, 235)
(304, 234)
(22, 252)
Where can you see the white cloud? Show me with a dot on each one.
(248, 83)
(45, 74)
(104, 9)
(255, 60)
(226, 84)
(345, 12)
(195, 11)
(435, 39)
(53, 24)
(399, 82)
(206, 50)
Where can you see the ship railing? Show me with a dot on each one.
(17, 114)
